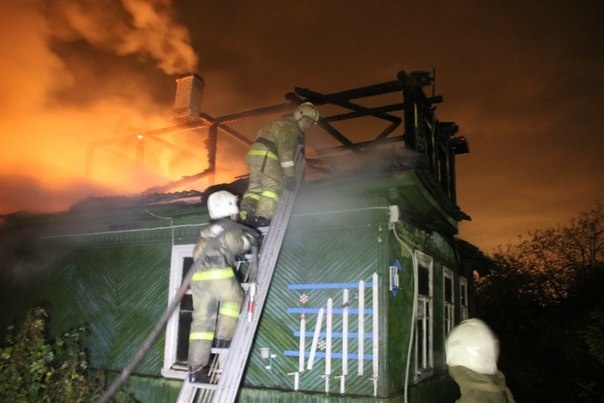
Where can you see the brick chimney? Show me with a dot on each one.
(187, 103)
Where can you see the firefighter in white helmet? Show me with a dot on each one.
(271, 163)
(472, 350)
(217, 294)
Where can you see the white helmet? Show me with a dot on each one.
(306, 109)
(472, 344)
(222, 204)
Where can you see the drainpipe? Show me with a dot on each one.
(394, 215)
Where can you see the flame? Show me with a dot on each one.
(57, 148)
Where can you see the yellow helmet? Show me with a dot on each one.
(306, 109)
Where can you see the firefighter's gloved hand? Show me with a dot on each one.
(253, 235)
(290, 183)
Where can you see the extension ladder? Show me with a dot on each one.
(229, 364)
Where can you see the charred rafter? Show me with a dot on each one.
(421, 131)
(325, 125)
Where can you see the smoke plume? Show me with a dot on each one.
(78, 84)
(127, 27)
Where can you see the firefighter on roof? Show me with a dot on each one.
(271, 164)
(472, 350)
(217, 294)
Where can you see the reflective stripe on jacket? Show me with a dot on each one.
(227, 248)
(286, 136)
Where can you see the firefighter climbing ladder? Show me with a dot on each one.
(234, 361)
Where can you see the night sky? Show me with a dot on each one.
(522, 79)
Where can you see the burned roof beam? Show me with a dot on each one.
(320, 99)
(236, 134)
(387, 131)
(415, 80)
(336, 134)
(227, 129)
(325, 125)
(372, 111)
(368, 112)
(359, 146)
(362, 92)
(267, 110)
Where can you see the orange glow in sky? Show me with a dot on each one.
(80, 80)
(57, 151)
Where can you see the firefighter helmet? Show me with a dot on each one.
(472, 344)
(306, 109)
(222, 204)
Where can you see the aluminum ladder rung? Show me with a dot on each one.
(204, 391)
(235, 363)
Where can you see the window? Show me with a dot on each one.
(423, 326)
(449, 300)
(177, 329)
(463, 297)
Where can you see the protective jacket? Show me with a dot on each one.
(271, 161)
(481, 388)
(217, 294)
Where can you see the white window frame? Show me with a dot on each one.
(463, 298)
(449, 305)
(179, 254)
(424, 327)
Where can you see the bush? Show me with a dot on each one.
(34, 369)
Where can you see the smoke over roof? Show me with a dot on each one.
(128, 27)
(60, 99)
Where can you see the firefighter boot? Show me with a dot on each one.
(220, 343)
(256, 222)
(262, 222)
(199, 374)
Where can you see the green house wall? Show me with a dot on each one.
(109, 270)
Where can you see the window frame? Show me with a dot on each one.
(448, 306)
(464, 312)
(425, 305)
(177, 263)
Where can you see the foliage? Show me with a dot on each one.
(32, 369)
(545, 300)
(593, 333)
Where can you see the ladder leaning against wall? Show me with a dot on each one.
(229, 364)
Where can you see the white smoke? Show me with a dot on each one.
(127, 27)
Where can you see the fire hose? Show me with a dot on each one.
(159, 327)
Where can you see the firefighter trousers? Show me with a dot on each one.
(266, 183)
(217, 300)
